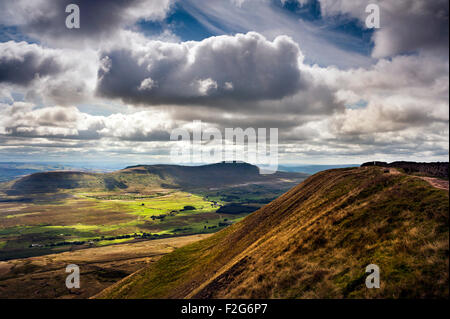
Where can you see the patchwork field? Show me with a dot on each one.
(92, 219)
(53, 212)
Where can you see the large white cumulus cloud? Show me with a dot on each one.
(21, 63)
(26, 120)
(403, 93)
(61, 76)
(225, 68)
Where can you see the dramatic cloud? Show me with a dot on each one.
(392, 114)
(46, 19)
(25, 120)
(320, 45)
(418, 77)
(50, 75)
(21, 63)
(112, 90)
(404, 93)
(20, 119)
(245, 67)
(405, 25)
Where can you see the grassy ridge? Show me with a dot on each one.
(315, 242)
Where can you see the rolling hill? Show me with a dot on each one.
(139, 177)
(49, 212)
(315, 241)
(13, 170)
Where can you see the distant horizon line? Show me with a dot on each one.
(160, 163)
(131, 163)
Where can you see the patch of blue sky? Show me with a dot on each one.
(15, 97)
(13, 33)
(187, 27)
(337, 40)
(362, 37)
(358, 105)
(191, 20)
(150, 28)
(6, 100)
(342, 24)
(180, 22)
(309, 11)
(105, 108)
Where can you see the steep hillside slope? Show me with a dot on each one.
(315, 241)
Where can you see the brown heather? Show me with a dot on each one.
(315, 242)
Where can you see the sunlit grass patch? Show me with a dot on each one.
(85, 215)
(22, 215)
(115, 241)
(99, 229)
(78, 227)
(175, 202)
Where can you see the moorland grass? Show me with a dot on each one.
(315, 241)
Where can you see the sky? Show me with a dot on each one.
(113, 90)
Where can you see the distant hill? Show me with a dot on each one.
(437, 169)
(13, 170)
(139, 177)
(8, 174)
(48, 182)
(213, 175)
(315, 241)
(311, 169)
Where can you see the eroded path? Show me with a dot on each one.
(436, 182)
(433, 181)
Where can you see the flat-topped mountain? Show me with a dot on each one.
(138, 177)
(212, 175)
